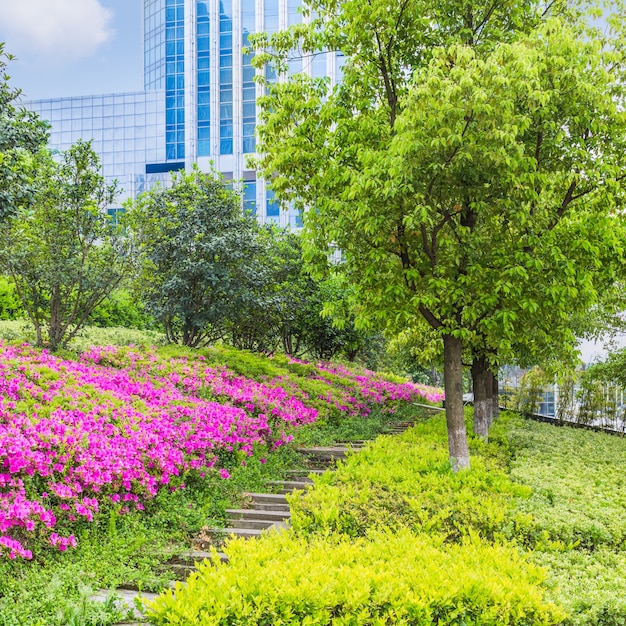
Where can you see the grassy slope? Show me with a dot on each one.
(51, 589)
(578, 507)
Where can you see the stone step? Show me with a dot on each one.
(275, 516)
(290, 485)
(277, 507)
(125, 599)
(224, 533)
(305, 472)
(326, 454)
(260, 524)
(180, 571)
(194, 556)
(267, 498)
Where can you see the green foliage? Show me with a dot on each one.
(22, 135)
(555, 493)
(612, 370)
(10, 306)
(407, 481)
(120, 309)
(527, 396)
(62, 253)
(126, 549)
(441, 169)
(198, 256)
(398, 578)
(577, 482)
(589, 585)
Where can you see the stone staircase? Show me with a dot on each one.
(264, 512)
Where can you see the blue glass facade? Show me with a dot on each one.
(175, 79)
(249, 197)
(272, 208)
(154, 44)
(226, 77)
(127, 131)
(200, 99)
(248, 100)
(204, 77)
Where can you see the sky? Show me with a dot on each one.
(73, 47)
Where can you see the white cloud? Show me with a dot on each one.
(55, 30)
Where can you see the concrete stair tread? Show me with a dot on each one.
(188, 558)
(257, 514)
(266, 497)
(245, 532)
(241, 524)
(324, 449)
(293, 484)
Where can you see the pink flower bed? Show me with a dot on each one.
(73, 433)
(372, 387)
(120, 424)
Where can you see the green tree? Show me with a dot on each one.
(62, 252)
(466, 166)
(22, 135)
(198, 255)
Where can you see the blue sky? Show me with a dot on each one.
(73, 47)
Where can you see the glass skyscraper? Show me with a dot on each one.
(199, 99)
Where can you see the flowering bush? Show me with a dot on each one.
(120, 424)
(293, 386)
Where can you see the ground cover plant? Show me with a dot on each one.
(537, 496)
(120, 424)
(96, 450)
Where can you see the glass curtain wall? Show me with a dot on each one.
(226, 77)
(204, 78)
(175, 79)
(248, 26)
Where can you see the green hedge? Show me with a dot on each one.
(399, 579)
(405, 481)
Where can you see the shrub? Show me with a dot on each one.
(398, 579)
(10, 306)
(407, 481)
(120, 309)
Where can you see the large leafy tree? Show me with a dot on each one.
(466, 166)
(198, 256)
(62, 251)
(22, 135)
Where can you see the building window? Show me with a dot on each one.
(249, 197)
(226, 77)
(294, 15)
(272, 208)
(295, 218)
(204, 79)
(175, 79)
(271, 16)
(249, 87)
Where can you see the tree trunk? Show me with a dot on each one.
(489, 389)
(455, 419)
(495, 397)
(54, 326)
(482, 400)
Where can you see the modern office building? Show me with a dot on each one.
(199, 99)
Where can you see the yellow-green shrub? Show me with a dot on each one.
(386, 579)
(407, 481)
